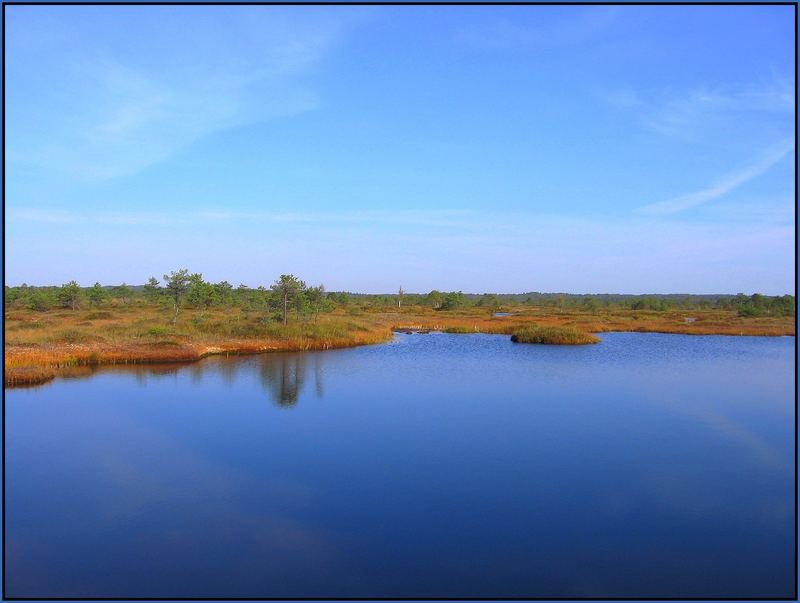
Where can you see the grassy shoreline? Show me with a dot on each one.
(41, 345)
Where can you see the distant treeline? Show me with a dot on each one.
(290, 294)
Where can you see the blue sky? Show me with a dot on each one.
(507, 149)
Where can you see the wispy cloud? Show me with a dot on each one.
(60, 216)
(500, 32)
(622, 98)
(690, 115)
(108, 113)
(445, 218)
(724, 185)
(434, 217)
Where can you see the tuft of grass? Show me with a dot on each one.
(29, 375)
(459, 330)
(159, 331)
(75, 336)
(99, 315)
(553, 335)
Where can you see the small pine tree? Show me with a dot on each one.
(152, 290)
(70, 295)
(177, 286)
(97, 295)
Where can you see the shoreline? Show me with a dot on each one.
(58, 358)
(36, 364)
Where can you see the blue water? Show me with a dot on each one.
(434, 466)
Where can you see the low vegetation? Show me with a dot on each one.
(460, 329)
(553, 335)
(51, 330)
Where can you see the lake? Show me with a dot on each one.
(436, 465)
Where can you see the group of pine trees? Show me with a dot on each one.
(287, 294)
(181, 288)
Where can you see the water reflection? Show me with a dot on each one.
(196, 371)
(318, 376)
(440, 466)
(229, 371)
(284, 375)
(145, 372)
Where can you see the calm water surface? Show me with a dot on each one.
(435, 465)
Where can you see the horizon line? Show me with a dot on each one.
(395, 293)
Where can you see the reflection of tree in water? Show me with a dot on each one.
(145, 372)
(283, 376)
(228, 369)
(318, 375)
(196, 371)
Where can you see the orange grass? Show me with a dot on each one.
(553, 336)
(707, 322)
(40, 345)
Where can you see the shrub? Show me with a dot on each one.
(159, 331)
(453, 300)
(40, 302)
(75, 336)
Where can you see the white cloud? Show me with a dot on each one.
(695, 114)
(622, 98)
(59, 216)
(723, 186)
(94, 111)
(501, 32)
(448, 218)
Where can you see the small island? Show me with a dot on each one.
(553, 336)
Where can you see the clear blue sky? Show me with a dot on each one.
(507, 149)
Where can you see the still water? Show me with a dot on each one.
(432, 466)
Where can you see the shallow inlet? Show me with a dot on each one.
(437, 466)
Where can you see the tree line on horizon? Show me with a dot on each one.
(288, 294)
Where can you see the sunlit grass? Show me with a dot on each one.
(553, 335)
(459, 329)
(40, 343)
